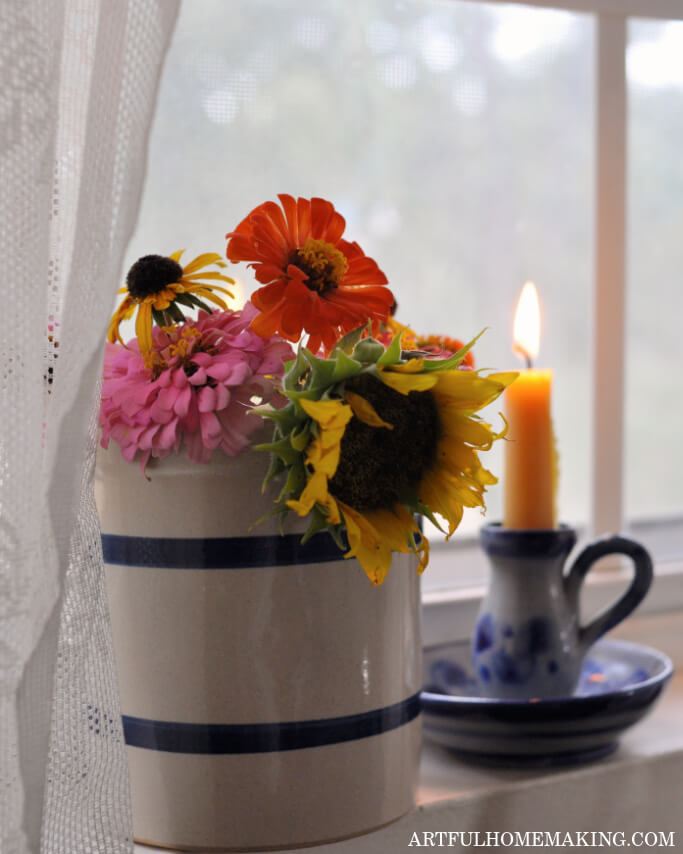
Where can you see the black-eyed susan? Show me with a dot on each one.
(156, 287)
(369, 439)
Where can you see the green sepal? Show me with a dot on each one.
(454, 360)
(286, 419)
(275, 468)
(303, 394)
(281, 510)
(368, 351)
(336, 531)
(427, 513)
(296, 481)
(295, 371)
(317, 522)
(322, 370)
(392, 355)
(347, 342)
(193, 301)
(158, 317)
(283, 449)
(301, 436)
(174, 311)
(345, 367)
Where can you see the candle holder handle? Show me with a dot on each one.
(619, 610)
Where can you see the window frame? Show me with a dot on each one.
(449, 614)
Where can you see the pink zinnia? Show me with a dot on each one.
(206, 376)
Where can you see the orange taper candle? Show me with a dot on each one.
(529, 470)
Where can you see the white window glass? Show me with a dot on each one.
(654, 390)
(456, 138)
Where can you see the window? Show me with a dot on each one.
(459, 141)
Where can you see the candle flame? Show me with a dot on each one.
(527, 327)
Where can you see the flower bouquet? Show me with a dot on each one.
(256, 652)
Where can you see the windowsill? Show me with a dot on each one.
(635, 789)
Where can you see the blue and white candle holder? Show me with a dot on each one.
(528, 642)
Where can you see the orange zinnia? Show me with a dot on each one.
(314, 281)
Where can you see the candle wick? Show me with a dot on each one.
(525, 355)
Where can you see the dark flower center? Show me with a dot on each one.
(151, 274)
(323, 263)
(378, 466)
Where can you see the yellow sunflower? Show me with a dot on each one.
(382, 440)
(156, 285)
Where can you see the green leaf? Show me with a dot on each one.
(454, 360)
(392, 355)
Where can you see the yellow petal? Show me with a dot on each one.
(207, 275)
(201, 261)
(376, 534)
(365, 411)
(405, 383)
(412, 366)
(467, 429)
(315, 492)
(370, 551)
(466, 389)
(328, 413)
(123, 312)
(423, 553)
(211, 298)
(176, 255)
(506, 378)
(323, 459)
(200, 288)
(143, 328)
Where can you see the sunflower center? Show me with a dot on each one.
(377, 466)
(322, 262)
(151, 274)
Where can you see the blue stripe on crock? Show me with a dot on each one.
(214, 739)
(219, 552)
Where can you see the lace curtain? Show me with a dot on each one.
(79, 83)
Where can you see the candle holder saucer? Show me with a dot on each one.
(620, 683)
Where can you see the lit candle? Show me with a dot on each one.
(529, 472)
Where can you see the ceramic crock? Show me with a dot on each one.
(529, 641)
(270, 693)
